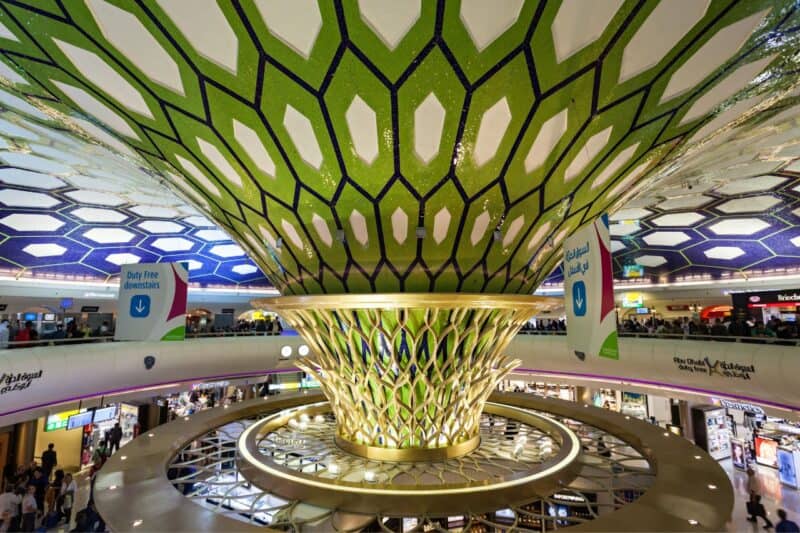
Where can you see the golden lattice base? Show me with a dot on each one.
(407, 371)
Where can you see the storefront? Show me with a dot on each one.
(766, 305)
(76, 433)
(520, 383)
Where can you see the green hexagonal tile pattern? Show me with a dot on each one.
(399, 145)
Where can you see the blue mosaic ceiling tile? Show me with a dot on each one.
(91, 210)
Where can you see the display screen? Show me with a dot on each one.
(632, 299)
(66, 303)
(642, 310)
(632, 271)
(80, 420)
(105, 414)
(58, 420)
(634, 404)
(49, 317)
(29, 316)
(504, 513)
(786, 467)
(767, 452)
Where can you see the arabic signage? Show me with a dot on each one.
(719, 367)
(589, 292)
(17, 381)
(152, 302)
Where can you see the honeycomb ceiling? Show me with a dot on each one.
(74, 209)
(390, 145)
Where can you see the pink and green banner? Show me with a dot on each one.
(589, 292)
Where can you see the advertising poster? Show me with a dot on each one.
(589, 292)
(152, 302)
(738, 454)
(787, 470)
(767, 452)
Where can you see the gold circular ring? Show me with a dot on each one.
(406, 300)
(377, 453)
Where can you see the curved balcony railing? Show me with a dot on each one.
(110, 338)
(681, 336)
(623, 334)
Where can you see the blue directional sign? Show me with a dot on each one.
(579, 298)
(140, 305)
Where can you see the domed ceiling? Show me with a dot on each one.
(377, 146)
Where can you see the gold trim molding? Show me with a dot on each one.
(358, 497)
(409, 454)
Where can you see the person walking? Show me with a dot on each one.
(785, 525)
(114, 438)
(100, 453)
(756, 509)
(49, 460)
(753, 485)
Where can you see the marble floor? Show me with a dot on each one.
(774, 496)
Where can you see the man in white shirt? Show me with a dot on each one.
(9, 505)
(68, 490)
(29, 509)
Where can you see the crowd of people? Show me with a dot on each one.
(25, 332)
(41, 496)
(718, 328)
(255, 327)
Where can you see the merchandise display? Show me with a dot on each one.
(711, 432)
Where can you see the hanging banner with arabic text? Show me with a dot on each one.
(589, 292)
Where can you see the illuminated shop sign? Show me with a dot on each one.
(210, 385)
(59, 420)
(739, 406)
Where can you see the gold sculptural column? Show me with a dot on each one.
(407, 375)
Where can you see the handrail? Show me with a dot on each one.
(627, 334)
(683, 336)
(110, 338)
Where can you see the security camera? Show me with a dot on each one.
(149, 362)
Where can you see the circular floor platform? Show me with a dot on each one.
(542, 464)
